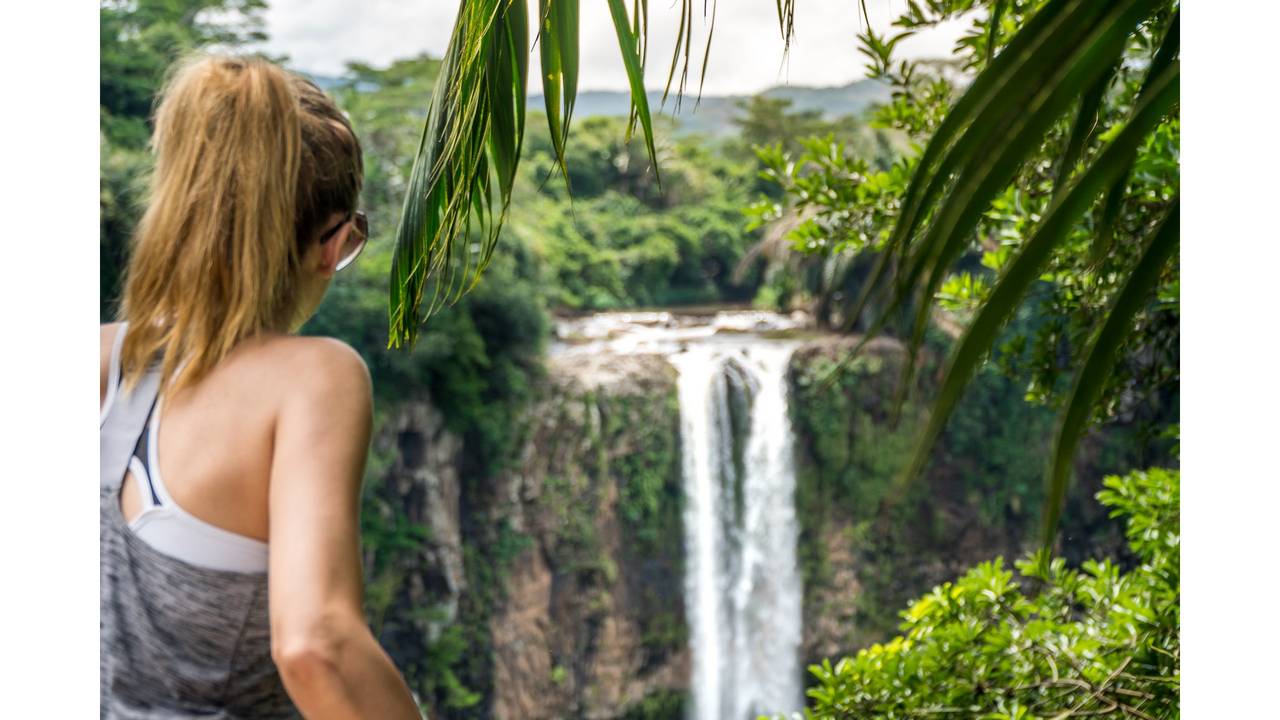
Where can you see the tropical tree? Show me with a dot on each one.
(1037, 65)
(1050, 84)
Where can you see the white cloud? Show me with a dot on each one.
(746, 53)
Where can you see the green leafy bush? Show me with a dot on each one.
(1047, 642)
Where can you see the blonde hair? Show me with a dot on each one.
(249, 161)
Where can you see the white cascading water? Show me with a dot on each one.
(742, 585)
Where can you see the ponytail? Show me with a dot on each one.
(216, 257)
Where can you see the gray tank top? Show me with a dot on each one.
(177, 640)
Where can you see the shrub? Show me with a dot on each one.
(1049, 642)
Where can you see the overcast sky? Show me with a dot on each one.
(746, 55)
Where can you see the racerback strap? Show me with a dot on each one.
(126, 419)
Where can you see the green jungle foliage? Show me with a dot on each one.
(980, 493)
(847, 207)
(604, 234)
(610, 238)
(661, 705)
(461, 189)
(1071, 213)
(1053, 642)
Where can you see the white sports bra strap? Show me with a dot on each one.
(113, 373)
(129, 434)
(167, 527)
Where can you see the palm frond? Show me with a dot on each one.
(466, 163)
(1100, 359)
(989, 154)
(1082, 128)
(1024, 60)
(465, 167)
(1030, 260)
(631, 43)
(1169, 49)
(993, 27)
(558, 50)
(787, 21)
(681, 53)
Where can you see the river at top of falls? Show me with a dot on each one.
(742, 586)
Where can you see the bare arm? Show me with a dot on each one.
(330, 662)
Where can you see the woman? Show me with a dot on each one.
(232, 449)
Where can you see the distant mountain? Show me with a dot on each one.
(715, 113)
(325, 82)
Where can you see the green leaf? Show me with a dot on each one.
(993, 27)
(1082, 129)
(472, 137)
(629, 43)
(558, 49)
(992, 160)
(1002, 138)
(1100, 360)
(1059, 24)
(1169, 49)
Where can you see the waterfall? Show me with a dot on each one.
(742, 586)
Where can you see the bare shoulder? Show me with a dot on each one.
(324, 415)
(309, 368)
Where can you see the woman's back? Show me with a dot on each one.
(179, 638)
(214, 440)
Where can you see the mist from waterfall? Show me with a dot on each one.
(742, 590)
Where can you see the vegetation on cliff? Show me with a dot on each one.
(869, 544)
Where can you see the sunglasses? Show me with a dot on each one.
(355, 240)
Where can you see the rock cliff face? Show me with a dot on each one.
(593, 624)
(846, 443)
(416, 576)
(567, 563)
(552, 587)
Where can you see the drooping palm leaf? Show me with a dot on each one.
(681, 53)
(1082, 128)
(466, 164)
(787, 20)
(1170, 46)
(1065, 55)
(558, 47)
(1100, 359)
(985, 158)
(631, 45)
(1002, 136)
(1031, 258)
(993, 27)
(470, 143)
(1033, 49)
